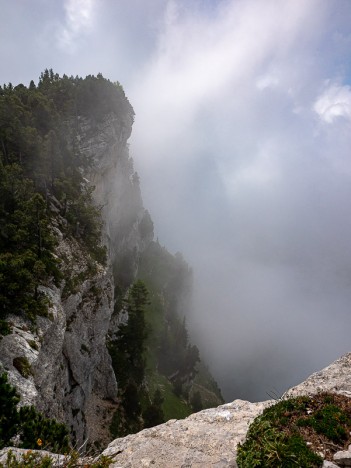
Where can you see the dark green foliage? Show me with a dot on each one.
(127, 353)
(171, 360)
(123, 272)
(170, 277)
(34, 426)
(26, 245)
(23, 366)
(267, 446)
(131, 401)
(41, 181)
(328, 421)
(28, 423)
(196, 402)
(153, 414)
(9, 418)
(127, 349)
(278, 437)
(5, 328)
(153, 348)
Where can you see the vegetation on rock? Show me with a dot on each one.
(25, 426)
(294, 432)
(37, 459)
(41, 182)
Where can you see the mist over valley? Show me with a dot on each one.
(241, 140)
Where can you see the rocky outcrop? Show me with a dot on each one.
(207, 438)
(210, 437)
(334, 378)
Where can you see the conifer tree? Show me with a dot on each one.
(9, 417)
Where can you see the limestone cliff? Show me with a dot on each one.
(69, 369)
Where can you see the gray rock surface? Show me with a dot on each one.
(334, 378)
(329, 464)
(210, 438)
(67, 353)
(343, 458)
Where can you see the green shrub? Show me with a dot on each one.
(34, 426)
(266, 446)
(33, 344)
(33, 429)
(8, 412)
(329, 421)
(5, 328)
(23, 366)
(278, 437)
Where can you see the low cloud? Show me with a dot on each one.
(231, 110)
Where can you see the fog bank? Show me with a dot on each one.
(242, 142)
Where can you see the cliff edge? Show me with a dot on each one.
(210, 438)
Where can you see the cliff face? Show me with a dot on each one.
(69, 374)
(116, 190)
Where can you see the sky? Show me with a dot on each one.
(242, 141)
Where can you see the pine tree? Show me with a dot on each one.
(27, 423)
(153, 414)
(9, 418)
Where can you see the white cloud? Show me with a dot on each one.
(334, 102)
(78, 21)
(267, 81)
(207, 64)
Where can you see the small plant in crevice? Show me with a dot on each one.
(23, 366)
(33, 344)
(84, 348)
